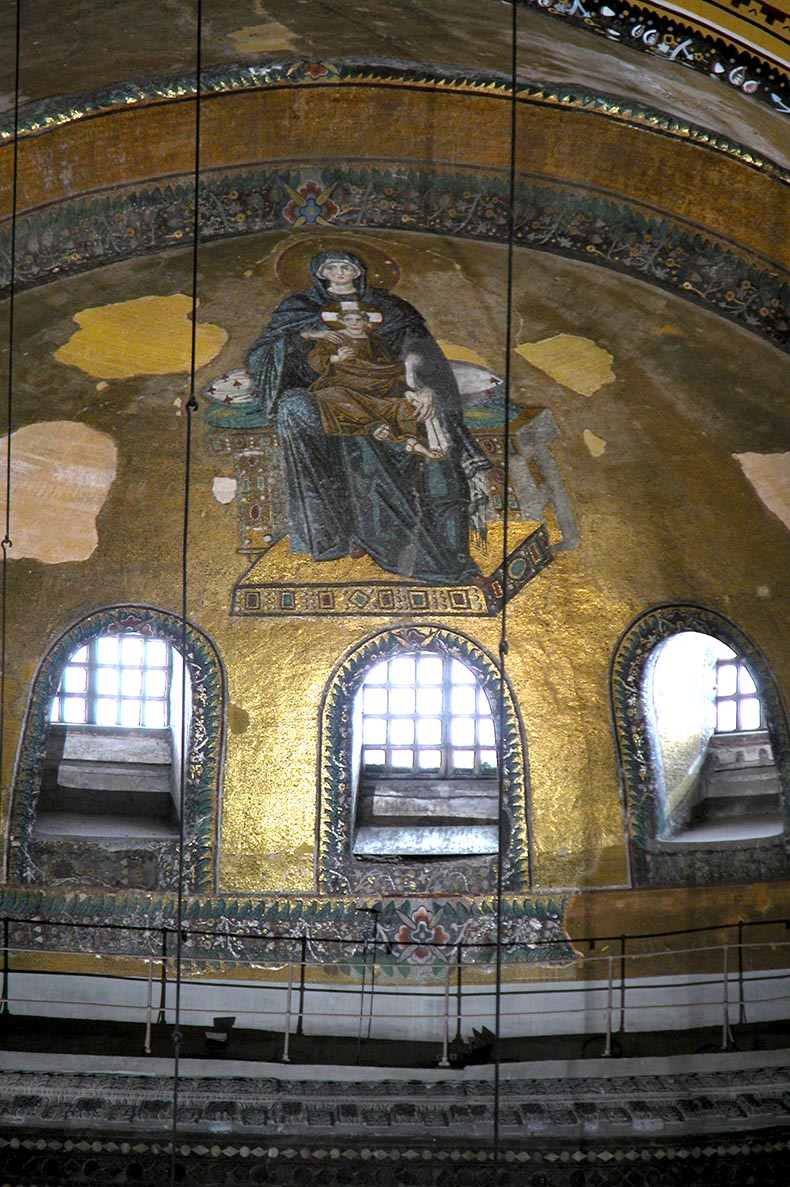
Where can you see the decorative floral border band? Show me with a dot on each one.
(418, 937)
(634, 240)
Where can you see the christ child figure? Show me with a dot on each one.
(362, 387)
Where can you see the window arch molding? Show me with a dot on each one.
(640, 763)
(205, 743)
(338, 870)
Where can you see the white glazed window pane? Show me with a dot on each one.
(726, 679)
(429, 731)
(750, 714)
(155, 682)
(156, 653)
(107, 651)
(464, 760)
(403, 759)
(462, 700)
(75, 679)
(130, 713)
(132, 651)
(485, 732)
(132, 682)
(154, 715)
(74, 709)
(402, 670)
(106, 711)
(401, 700)
(402, 732)
(429, 701)
(726, 716)
(374, 700)
(430, 670)
(460, 674)
(377, 674)
(107, 682)
(462, 731)
(374, 731)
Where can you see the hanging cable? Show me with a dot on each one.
(503, 642)
(6, 541)
(191, 406)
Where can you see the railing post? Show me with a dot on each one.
(741, 1001)
(302, 979)
(726, 1033)
(163, 986)
(149, 1006)
(607, 1051)
(622, 984)
(362, 999)
(459, 993)
(286, 1058)
(445, 1061)
(4, 992)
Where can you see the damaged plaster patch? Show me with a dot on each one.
(595, 445)
(577, 363)
(769, 474)
(460, 354)
(224, 489)
(269, 35)
(61, 473)
(146, 336)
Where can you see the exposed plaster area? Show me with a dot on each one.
(224, 489)
(595, 445)
(61, 473)
(268, 36)
(146, 336)
(769, 474)
(575, 362)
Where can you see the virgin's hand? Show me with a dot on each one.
(328, 335)
(422, 401)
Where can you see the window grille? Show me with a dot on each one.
(425, 715)
(738, 704)
(116, 681)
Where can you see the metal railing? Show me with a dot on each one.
(289, 992)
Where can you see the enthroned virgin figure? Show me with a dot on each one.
(399, 480)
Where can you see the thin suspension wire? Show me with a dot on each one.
(6, 541)
(191, 406)
(503, 642)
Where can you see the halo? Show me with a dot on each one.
(291, 265)
(332, 313)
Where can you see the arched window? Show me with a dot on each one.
(703, 739)
(97, 788)
(425, 772)
(409, 769)
(114, 738)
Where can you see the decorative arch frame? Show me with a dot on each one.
(204, 751)
(637, 753)
(338, 871)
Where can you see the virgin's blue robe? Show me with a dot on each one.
(410, 514)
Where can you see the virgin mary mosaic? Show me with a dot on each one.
(361, 472)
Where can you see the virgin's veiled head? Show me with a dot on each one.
(319, 262)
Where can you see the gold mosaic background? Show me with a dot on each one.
(648, 501)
